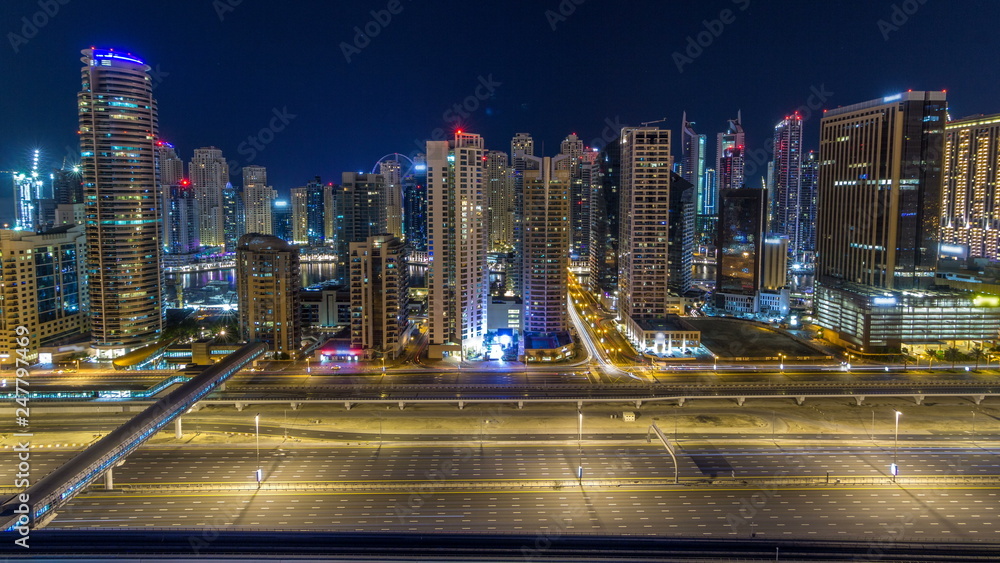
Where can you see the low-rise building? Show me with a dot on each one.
(663, 335)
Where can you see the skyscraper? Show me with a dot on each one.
(361, 208)
(171, 166)
(643, 276)
(281, 219)
(392, 174)
(309, 209)
(415, 205)
(44, 289)
(379, 295)
(258, 200)
(879, 222)
(500, 187)
(880, 191)
(787, 182)
(521, 146)
(118, 130)
(693, 155)
(181, 233)
(267, 288)
(971, 178)
(458, 274)
(300, 216)
(730, 156)
(742, 221)
(681, 223)
(807, 205)
(604, 223)
(209, 175)
(234, 215)
(580, 205)
(546, 245)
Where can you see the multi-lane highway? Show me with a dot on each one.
(913, 513)
(296, 464)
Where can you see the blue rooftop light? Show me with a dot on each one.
(108, 54)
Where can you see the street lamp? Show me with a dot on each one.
(256, 426)
(715, 362)
(781, 364)
(895, 448)
(383, 364)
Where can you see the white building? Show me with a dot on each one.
(258, 199)
(458, 274)
(209, 175)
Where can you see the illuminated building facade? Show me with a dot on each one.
(181, 233)
(730, 156)
(693, 158)
(43, 287)
(267, 288)
(379, 287)
(457, 238)
(879, 214)
(415, 205)
(644, 250)
(787, 182)
(258, 200)
(209, 174)
(392, 175)
(546, 245)
(118, 130)
(970, 209)
(500, 187)
(880, 191)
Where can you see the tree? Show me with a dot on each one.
(930, 355)
(953, 355)
(978, 354)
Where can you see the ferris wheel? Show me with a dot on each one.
(406, 163)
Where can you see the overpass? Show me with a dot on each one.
(38, 503)
(636, 393)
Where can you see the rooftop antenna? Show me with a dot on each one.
(647, 123)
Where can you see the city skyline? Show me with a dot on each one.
(504, 102)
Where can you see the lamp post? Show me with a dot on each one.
(256, 426)
(895, 449)
(579, 469)
(781, 364)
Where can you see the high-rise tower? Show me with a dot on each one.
(880, 191)
(643, 276)
(118, 130)
(971, 179)
(730, 156)
(500, 188)
(209, 174)
(458, 274)
(258, 200)
(787, 182)
(546, 245)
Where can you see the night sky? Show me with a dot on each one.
(220, 79)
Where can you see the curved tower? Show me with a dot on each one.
(118, 132)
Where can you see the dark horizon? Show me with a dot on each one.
(223, 71)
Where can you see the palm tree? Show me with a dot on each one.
(978, 354)
(931, 356)
(952, 355)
